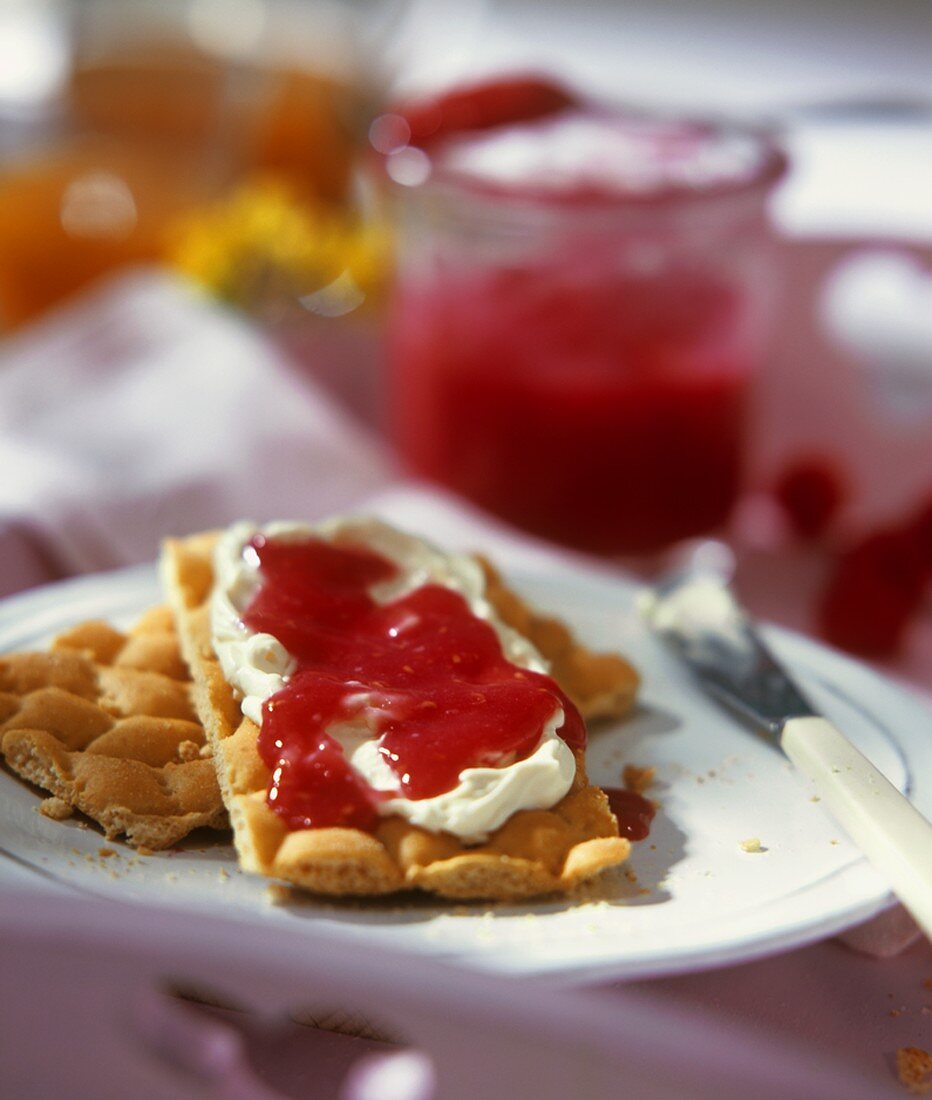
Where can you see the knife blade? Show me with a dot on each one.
(697, 616)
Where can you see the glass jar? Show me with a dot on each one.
(581, 301)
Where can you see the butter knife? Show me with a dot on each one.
(697, 616)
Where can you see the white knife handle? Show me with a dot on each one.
(891, 832)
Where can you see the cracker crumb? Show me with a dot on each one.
(142, 850)
(106, 853)
(55, 808)
(187, 751)
(276, 893)
(223, 874)
(630, 875)
(815, 798)
(914, 1069)
(171, 877)
(637, 779)
(752, 844)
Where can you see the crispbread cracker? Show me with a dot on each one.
(534, 852)
(104, 722)
(602, 685)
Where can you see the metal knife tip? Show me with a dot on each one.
(694, 596)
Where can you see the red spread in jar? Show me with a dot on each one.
(446, 698)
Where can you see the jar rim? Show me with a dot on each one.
(439, 179)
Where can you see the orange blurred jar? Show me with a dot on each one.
(151, 125)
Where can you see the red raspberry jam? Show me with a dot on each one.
(445, 696)
(580, 304)
(611, 420)
(634, 812)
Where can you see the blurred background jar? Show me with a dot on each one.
(155, 109)
(582, 298)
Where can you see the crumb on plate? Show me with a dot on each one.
(55, 808)
(914, 1069)
(637, 779)
(277, 893)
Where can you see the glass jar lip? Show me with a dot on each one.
(443, 179)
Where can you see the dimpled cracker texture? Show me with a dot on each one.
(104, 722)
(533, 853)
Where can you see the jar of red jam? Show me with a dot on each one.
(580, 305)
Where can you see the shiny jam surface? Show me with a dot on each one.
(634, 812)
(443, 695)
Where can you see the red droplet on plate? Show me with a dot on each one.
(633, 811)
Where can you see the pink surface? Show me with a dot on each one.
(114, 1032)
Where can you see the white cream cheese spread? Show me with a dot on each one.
(257, 666)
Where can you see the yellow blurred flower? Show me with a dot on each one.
(261, 243)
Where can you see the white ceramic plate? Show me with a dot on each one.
(692, 898)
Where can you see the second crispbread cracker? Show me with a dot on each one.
(602, 685)
(104, 722)
(534, 852)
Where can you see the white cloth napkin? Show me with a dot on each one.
(144, 409)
